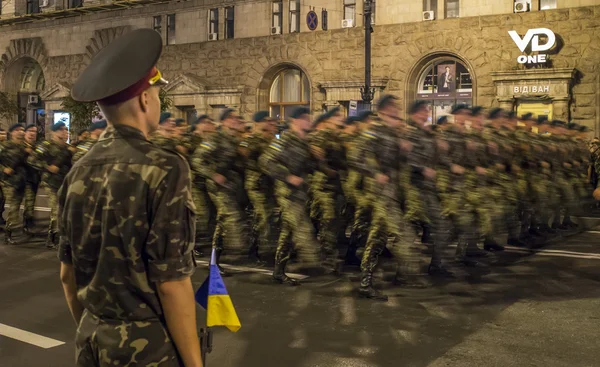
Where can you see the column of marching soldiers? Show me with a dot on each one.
(260, 191)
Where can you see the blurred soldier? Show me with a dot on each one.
(164, 136)
(289, 162)
(32, 180)
(326, 184)
(127, 222)
(82, 136)
(3, 136)
(13, 163)
(258, 185)
(95, 130)
(422, 160)
(223, 168)
(54, 159)
(204, 128)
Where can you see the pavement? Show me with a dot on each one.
(529, 308)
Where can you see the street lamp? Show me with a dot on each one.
(367, 93)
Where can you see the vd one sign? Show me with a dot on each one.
(532, 38)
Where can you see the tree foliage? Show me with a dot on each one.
(166, 102)
(82, 113)
(8, 106)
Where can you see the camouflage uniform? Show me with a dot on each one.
(326, 188)
(285, 157)
(32, 182)
(52, 153)
(83, 148)
(260, 189)
(138, 231)
(221, 155)
(163, 141)
(13, 156)
(205, 209)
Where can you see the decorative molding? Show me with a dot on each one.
(186, 84)
(102, 37)
(24, 47)
(58, 91)
(533, 75)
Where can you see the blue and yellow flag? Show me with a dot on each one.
(213, 296)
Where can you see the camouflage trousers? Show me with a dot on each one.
(262, 218)
(31, 189)
(205, 215)
(329, 215)
(362, 213)
(53, 203)
(296, 228)
(101, 343)
(2, 201)
(14, 199)
(231, 223)
(566, 196)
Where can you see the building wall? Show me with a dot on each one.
(335, 57)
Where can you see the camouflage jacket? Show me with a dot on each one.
(162, 141)
(82, 148)
(289, 156)
(254, 146)
(50, 153)
(424, 154)
(33, 175)
(14, 156)
(221, 155)
(334, 164)
(127, 222)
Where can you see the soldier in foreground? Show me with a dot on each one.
(127, 222)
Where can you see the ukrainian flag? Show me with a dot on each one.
(213, 296)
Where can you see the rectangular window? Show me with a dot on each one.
(229, 22)
(33, 6)
(157, 23)
(213, 24)
(350, 10)
(547, 4)
(170, 29)
(294, 16)
(452, 9)
(75, 4)
(277, 14)
(430, 5)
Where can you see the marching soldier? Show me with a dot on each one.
(289, 162)
(14, 167)
(32, 181)
(3, 136)
(223, 169)
(165, 134)
(258, 185)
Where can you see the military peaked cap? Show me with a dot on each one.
(260, 116)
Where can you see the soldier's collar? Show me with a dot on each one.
(121, 131)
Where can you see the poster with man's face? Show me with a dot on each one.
(446, 79)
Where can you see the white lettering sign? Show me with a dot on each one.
(532, 89)
(532, 37)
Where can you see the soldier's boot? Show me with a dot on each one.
(366, 289)
(279, 275)
(27, 226)
(474, 251)
(51, 240)
(8, 239)
(568, 222)
(516, 241)
(351, 258)
(491, 245)
(426, 236)
(254, 246)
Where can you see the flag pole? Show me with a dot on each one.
(205, 343)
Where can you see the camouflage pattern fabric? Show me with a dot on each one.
(126, 220)
(13, 156)
(163, 142)
(82, 149)
(32, 182)
(291, 156)
(205, 209)
(14, 198)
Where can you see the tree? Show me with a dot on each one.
(82, 113)
(166, 102)
(8, 106)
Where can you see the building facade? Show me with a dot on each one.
(524, 55)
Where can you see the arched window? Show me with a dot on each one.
(32, 77)
(290, 89)
(444, 82)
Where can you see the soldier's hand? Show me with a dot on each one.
(406, 145)
(443, 145)
(294, 180)
(597, 194)
(317, 152)
(500, 166)
(429, 173)
(456, 169)
(382, 179)
(8, 171)
(545, 164)
(481, 171)
(219, 179)
(53, 169)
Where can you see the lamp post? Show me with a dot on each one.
(367, 93)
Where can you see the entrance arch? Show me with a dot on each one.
(24, 75)
(442, 79)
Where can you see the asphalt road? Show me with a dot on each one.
(527, 309)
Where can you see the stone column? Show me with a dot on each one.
(506, 103)
(560, 108)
